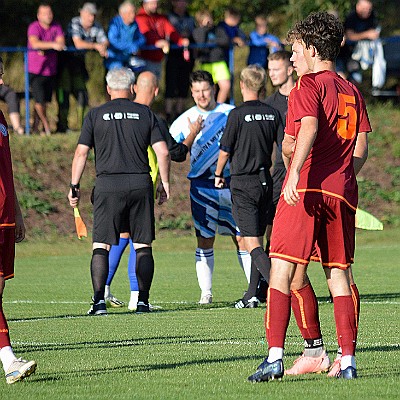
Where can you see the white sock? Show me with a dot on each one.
(204, 269)
(245, 262)
(107, 291)
(7, 357)
(347, 361)
(134, 296)
(275, 353)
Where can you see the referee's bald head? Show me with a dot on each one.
(120, 79)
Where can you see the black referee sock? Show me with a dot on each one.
(261, 261)
(144, 272)
(253, 284)
(99, 272)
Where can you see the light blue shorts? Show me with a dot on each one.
(211, 209)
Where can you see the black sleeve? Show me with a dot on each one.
(280, 131)
(156, 134)
(87, 131)
(176, 150)
(228, 139)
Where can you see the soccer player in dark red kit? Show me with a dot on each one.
(12, 230)
(326, 138)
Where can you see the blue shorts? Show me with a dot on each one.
(211, 209)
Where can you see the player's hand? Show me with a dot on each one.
(74, 201)
(290, 192)
(196, 126)
(19, 228)
(162, 192)
(219, 183)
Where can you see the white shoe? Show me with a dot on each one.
(20, 369)
(207, 299)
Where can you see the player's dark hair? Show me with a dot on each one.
(280, 55)
(1, 60)
(321, 30)
(201, 76)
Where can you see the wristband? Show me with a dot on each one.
(76, 187)
(219, 176)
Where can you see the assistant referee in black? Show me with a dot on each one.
(247, 141)
(120, 132)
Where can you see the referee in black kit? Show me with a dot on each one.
(247, 141)
(120, 132)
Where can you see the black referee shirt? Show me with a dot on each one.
(280, 103)
(120, 132)
(249, 135)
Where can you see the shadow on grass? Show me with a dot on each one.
(378, 297)
(146, 341)
(63, 375)
(68, 375)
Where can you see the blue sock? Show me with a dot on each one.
(132, 269)
(114, 258)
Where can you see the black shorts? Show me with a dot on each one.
(128, 210)
(42, 87)
(251, 202)
(278, 176)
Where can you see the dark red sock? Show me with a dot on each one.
(277, 317)
(305, 309)
(4, 336)
(345, 317)
(356, 299)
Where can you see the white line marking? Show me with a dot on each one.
(169, 302)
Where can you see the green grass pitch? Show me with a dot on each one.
(184, 351)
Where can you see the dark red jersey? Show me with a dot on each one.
(7, 199)
(341, 113)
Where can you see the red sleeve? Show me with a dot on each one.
(365, 125)
(306, 99)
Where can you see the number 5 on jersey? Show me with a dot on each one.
(346, 126)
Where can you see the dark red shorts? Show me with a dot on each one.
(319, 221)
(7, 253)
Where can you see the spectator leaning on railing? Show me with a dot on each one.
(125, 40)
(83, 33)
(362, 33)
(44, 35)
(159, 32)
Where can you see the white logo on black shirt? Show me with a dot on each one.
(120, 115)
(259, 117)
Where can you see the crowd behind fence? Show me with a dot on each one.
(391, 46)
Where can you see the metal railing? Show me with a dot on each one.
(25, 51)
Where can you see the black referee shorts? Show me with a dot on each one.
(278, 176)
(116, 211)
(251, 203)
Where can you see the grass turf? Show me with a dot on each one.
(184, 351)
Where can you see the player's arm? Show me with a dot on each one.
(19, 221)
(78, 166)
(164, 165)
(288, 145)
(223, 158)
(360, 152)
(305, 140)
